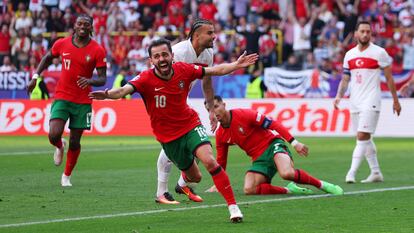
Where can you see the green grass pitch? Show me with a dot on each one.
(114, 186)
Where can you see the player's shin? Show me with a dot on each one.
(222, 182)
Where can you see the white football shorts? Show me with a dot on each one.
(365, 121)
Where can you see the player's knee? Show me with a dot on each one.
(249, 190)
(54, 138)
(287, 174)
(210, 164)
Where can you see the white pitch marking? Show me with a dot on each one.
(199, 207)
(143, 147)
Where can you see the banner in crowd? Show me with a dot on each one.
(311, 84)
(303, 117)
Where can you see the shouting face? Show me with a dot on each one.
(162, 58)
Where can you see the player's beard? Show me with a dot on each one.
(164, 70)
(363, 43)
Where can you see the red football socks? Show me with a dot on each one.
(72, 158)
(302, 177)
(264, 189)
(222, 182)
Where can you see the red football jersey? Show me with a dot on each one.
(166, 100)
(246, 130)
(76, 62)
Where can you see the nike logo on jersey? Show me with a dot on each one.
(159, 88)
(65, 54)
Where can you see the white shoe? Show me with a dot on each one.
(57, 157)
(65, 181)
(235, 214)
(350, 178)
(374, 177)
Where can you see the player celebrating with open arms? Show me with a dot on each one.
(362, 67)
(80, 56)
(177, 126)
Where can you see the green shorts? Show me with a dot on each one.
(265, 164)
(79, 114)
(181, 151)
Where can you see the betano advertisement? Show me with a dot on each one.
(304, 117)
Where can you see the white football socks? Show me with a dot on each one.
(371, 156)
(358, 155)
(163, 169)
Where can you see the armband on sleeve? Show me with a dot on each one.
(266, 123)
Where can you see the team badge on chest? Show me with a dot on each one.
(241, 130)
(88, 58)
(181, 84)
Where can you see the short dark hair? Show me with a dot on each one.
(158, 43)
(89, 18)
(197, 24)
(216, 97)
(362, 22)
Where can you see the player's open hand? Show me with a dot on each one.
(246, 60)
(212, 189)
(82, 82)
(213, 121)
(98, 95)
(302, 149)
(396, 107)
(336, 103)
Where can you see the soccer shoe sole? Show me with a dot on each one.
(57, 156)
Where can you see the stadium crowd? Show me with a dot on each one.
(294, 35)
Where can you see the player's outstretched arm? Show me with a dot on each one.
(44, 63)
(391, 85)
(115, 93)
(243, 61)
(343, 86)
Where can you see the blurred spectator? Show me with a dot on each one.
(252, 35)
(38, 28)
(309, 62)
(147, 18)
(23, 21)
(223, 10)
(149, 38)
(317, 26)
(7, 65)
(240, 8)
(349, 15)
(38, 48)
(406, 16)
(55, 23)
(292, 63)
(137, 57)
(256, 88)
(20, 49)
(5, 39)
(301, 35)
(207, 10)
(55, 66)
(120, 80)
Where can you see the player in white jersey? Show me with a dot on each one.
(362, 67)
(198, 49)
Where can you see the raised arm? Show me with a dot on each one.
(343, 86)
(115, 93)
(391, 85)
(44, 63)
(226, 68)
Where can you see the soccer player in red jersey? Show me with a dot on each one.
(252, 132)
(80, 55)
(176, 126)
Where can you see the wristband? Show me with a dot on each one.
(294, 142)
(35, 76)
